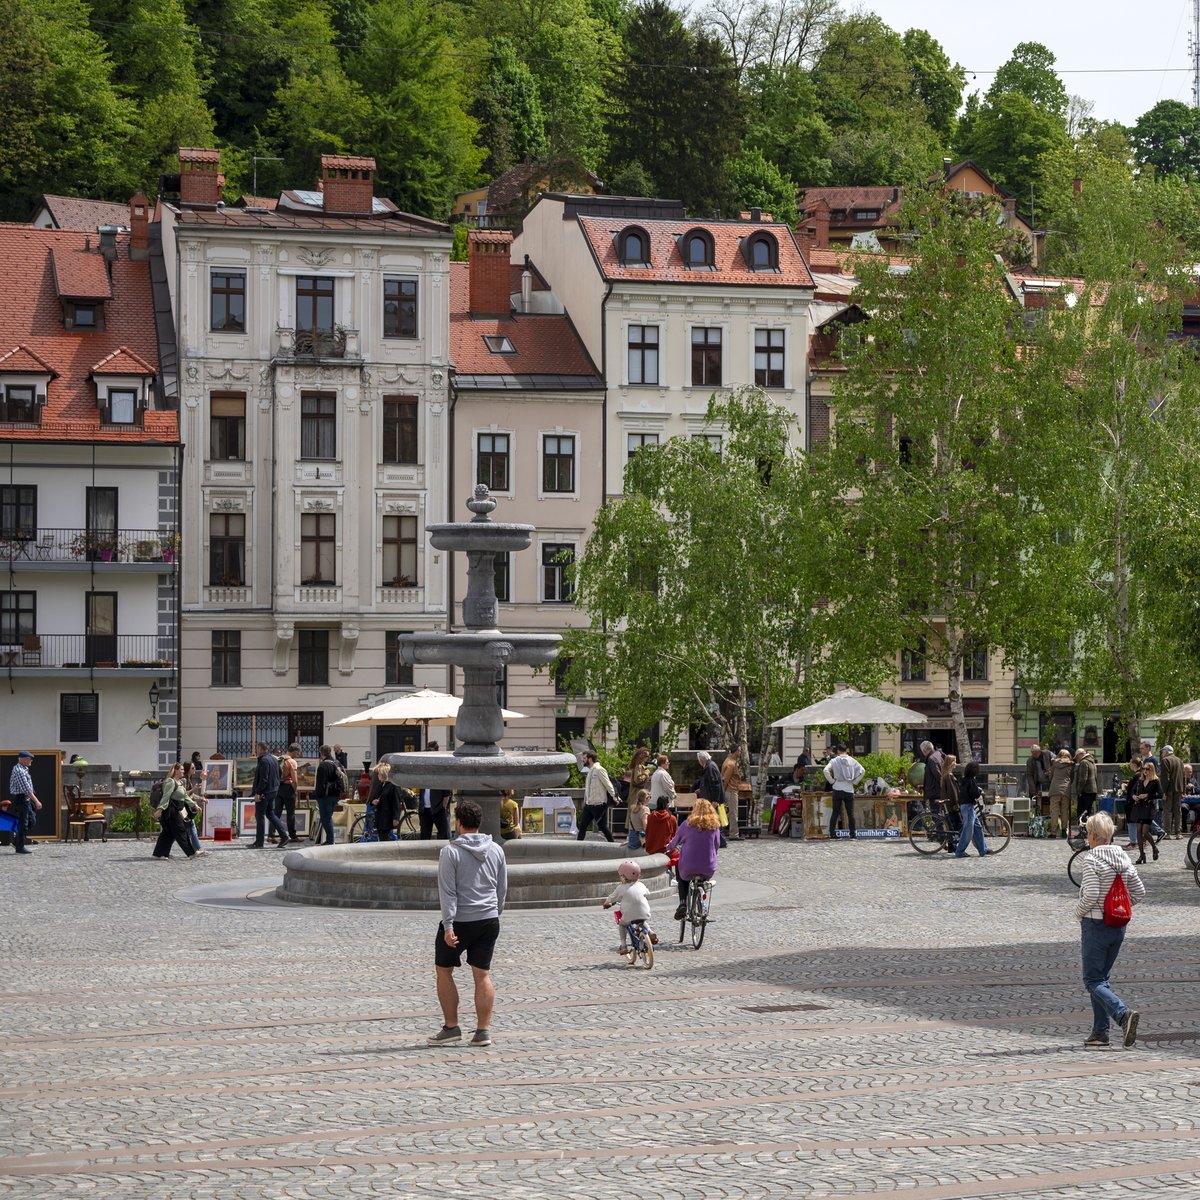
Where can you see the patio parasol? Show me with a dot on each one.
(1184, 712)
(847, 706)
(425, 707)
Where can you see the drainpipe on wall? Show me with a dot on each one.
(178, 572)
(604, 403)
(450, 455)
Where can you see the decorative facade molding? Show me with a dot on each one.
(314, 258)
(284, 632)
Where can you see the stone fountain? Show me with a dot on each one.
(542, 872)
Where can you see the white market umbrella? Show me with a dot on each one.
(425, 707)
(1184, 712)
(847, 706)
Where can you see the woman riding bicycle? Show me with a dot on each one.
(698, 839)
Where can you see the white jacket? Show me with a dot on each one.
(599, 789)
(631, 900)
(1100, 868)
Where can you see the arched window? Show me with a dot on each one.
(697, 248)
(633, 247)
(762, 253)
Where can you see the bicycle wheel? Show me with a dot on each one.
(406, 827)
(1193, 851)
(363, 829)
(924, 835)
(647, 951)
(998, 831)
(697, 914)
(1075, 867)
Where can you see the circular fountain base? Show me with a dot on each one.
(523, 771)
(542, 873)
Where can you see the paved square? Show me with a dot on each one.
(860, 1021)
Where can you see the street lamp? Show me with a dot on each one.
(154, 699)
(1016, 696)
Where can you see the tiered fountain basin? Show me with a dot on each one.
(542, 873)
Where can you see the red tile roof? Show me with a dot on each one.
(882, 199)
(667, 265)
(544, 344)
(76, 212)
(123, 361)
(347, 162)
(31, 319)
(20, 360)
(80, 274)
(198, 154)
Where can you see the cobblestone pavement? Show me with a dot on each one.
(864, 1022)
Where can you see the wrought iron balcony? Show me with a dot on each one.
(53, 545)
(87, 651)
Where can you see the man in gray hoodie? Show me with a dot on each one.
(472, 882)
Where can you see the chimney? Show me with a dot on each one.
(488, 252)
(139, 227)
(108, 241)
(946, 164)
(526, 289)
(820, 220)
(348, 184)
(756, 214)
(199, 176)
(1009, 205)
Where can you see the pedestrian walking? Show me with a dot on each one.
(1147, 794)
(844, 773)
(174, 815)
(1062, 769)
(1084, 783)
(1174, 784)
(472, 883)
(265, 790)
(970, 807)
(1101, 941)
(731, 782)
(285, 800)
(327, 791)
(24, 802)
(598, 794)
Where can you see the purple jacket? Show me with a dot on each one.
(697, 850)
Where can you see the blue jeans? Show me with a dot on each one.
(972, 831)
(325, 807)
(1101, 944)
(264, 811)
(634, 839)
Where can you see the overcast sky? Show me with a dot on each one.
(1083, 35)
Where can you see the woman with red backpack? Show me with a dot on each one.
(1110, 888)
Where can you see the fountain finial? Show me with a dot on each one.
(481, 503)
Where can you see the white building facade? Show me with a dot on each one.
(313, 344)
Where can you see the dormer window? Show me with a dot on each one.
(499, 345)
(21, 405)
(698, 250)
(120, 407)
(762, 253)
(633, 247)
(85, 317)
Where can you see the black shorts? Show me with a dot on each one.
(477, 938)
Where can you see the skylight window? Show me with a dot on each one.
(499, 345)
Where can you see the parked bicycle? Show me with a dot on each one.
(695, 913)
(930, 832)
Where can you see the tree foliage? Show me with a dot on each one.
(706, 586)
(1167, 138)
(938, 460)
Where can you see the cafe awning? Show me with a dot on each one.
(848, 706)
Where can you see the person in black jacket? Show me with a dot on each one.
(265, 790)
(327, 791)
(1147, 795)
(970, 806)
(710, 785)
(434, 810)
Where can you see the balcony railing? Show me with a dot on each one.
(89, 545)
(80, 651)
(318, 343)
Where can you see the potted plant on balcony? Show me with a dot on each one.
(170, 547)
(148, 550)
(95, 546)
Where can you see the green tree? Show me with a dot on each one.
(705, 587)
(677, 110)
(1167, 138)
(512, 125)
(760, 184)
(937, 463)
(1008, 136)
(1030, 72)
(66, 126)
(936, 81)
(869, 100)
(156, 59)
(1125, 494)
(784, 122)
(416, 121)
